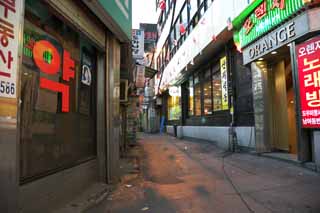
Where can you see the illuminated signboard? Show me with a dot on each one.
(48, 59)
(308, 54)
(10, 13)
(262, 16)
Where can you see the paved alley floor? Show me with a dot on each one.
(184, 176)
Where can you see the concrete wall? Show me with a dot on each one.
(52, 191)
(219, 135)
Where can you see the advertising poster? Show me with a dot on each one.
(308, 55)
(224, 83)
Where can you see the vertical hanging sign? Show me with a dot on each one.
(224, 83)
(10, 13)
(140, 79)
(308, 54)
(137, 44)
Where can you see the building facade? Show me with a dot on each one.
(59, 99)
(205, 89)
(280, 43)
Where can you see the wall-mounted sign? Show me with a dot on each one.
(140, 76)
(10, 12)
(277, 38)
(49, 59)
(138, 44)
(86, 70)
(308, 54)
(175, 91)
(224, 83)
(260, 17)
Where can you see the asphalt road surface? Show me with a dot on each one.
(195, 177)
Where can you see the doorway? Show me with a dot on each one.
(282, 120)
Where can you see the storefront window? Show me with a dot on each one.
(191, 106)
(174, 107)
(58, 91)
(207, 93)
(217, 95)
(197, 95)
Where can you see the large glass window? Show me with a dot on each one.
(216, 83)
(174, 107)
(58, 91)
(191, 103)
(207, 93)
(197, 95)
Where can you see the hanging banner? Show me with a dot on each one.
(224, 83)
(137, 44)
(308, 54)
(10, 12)
(140, 76)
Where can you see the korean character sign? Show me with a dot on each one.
(10, 15)
(137, 44)
(308, 55)
(224, 83)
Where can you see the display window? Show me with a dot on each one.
(197, 96)
(216, 89)
(191, 103)
(174, 108)
(205, 92)
(58, 90)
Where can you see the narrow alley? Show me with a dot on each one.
(193, 176)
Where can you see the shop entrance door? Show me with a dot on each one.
(281, 94)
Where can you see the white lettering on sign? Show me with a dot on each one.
(9, 45)
(272, 41)
(124, 7)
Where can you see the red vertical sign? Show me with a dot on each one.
(308, 54)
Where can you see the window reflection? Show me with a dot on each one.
(217, 95)
(207, 93)
(191, 96)
(197, 96)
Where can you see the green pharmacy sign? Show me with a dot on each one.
(262, 16)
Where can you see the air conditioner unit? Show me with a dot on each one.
(123, 90)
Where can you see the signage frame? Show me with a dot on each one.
(270, 18)
(310, 117)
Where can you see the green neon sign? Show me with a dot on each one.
(262, 16)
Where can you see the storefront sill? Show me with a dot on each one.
(294, 161)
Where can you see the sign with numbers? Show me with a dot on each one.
(9, 45)
(308, 54)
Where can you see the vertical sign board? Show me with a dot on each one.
(308, 54)
(224, 83)
(137, 44)
(10, 12)
(140, 76)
